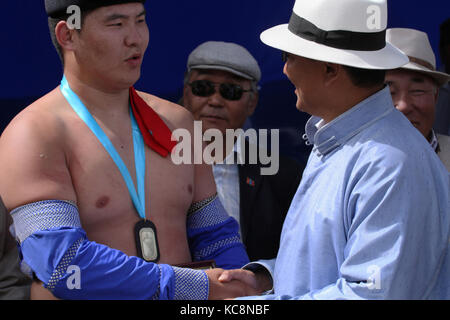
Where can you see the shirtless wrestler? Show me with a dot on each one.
(69, 201)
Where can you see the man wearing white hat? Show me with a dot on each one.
(415, 86)
(370, 218)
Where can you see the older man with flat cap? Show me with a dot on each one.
(221, 91)
(99, 209)
(415, 86)
(370, 219)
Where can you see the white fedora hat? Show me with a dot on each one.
(417, 47)
(347, 32)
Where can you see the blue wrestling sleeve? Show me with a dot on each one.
(56, 248)
(214, 235)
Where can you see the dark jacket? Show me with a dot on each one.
(264, 203)
(14, 285)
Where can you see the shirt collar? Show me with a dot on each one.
(434, 142)
(236, 155)
(330, 136)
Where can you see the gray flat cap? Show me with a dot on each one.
(225, 56)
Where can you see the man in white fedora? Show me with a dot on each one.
(415, 86)
(370, 219)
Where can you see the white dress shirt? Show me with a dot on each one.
(226, 176)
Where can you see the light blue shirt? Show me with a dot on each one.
(370, 219)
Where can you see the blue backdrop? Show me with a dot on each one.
(31, 68)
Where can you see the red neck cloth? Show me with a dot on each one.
(157, 135)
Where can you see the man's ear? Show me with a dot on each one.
(436, 95)
(332, 72)
(64, 36)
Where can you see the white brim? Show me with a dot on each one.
(440, 77)
(281, 38)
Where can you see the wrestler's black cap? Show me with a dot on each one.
(58, 8)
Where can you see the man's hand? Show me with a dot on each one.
(38, 292)
(231, 288)
(259, 282)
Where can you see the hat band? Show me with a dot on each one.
(347, 40)
(423, 63)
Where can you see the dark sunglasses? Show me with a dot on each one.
(206, 88)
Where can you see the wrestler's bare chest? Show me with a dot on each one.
(106, 209)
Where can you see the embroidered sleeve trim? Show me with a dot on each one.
(190, 284)
(44, 215)
(211, 214)
(211, 249)
(197, 206)
(158, 291)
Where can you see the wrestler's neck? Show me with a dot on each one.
(98, 96)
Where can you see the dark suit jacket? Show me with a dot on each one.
(14, 285)
(264, 203)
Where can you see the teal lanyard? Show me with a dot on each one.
(138, 143)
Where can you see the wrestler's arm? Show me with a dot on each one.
(33, 168)
(212, 233)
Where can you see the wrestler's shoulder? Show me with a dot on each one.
(40, 120)
(173, 114)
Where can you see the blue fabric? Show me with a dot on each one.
(105, 273)
(52, 241)
(110, 274)
(43, 250)
(214, 235)
(56, 245)
(370, 219)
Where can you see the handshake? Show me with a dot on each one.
(229, 284)
(223, 284)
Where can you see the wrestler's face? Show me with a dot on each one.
(215, 111)
(110, 47)
(415, 95)
(303, 73)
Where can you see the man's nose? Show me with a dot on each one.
(403, 103)
(216, 100)
(134, 36)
